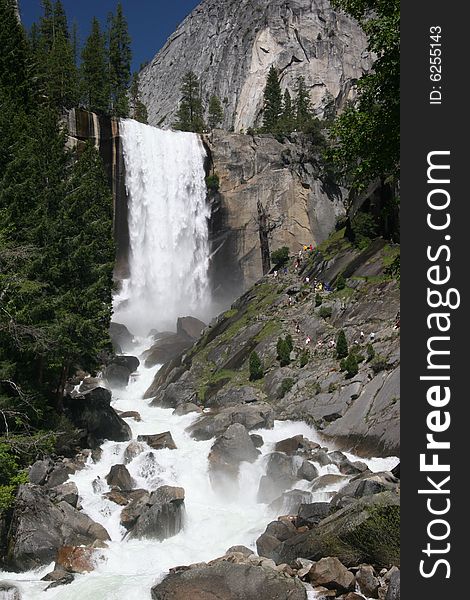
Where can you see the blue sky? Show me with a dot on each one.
(151, 22)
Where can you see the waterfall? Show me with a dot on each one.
(168, 229)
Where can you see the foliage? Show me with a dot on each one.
(288, 121)
(138, 110)
(304, 358)
(190, 114)
(340, 282)
(364, 229)
(216, 112)
(272, 107)
(94, 71)
(256, 367)
(393, 270)
(318, 299)
(370, 350)
(367, 135)
(378, 363)
(119, 62)
(325, 312)
(280, 256)
(284, 349)
(350, 365)
(341, 345)
(213, 182)
(286, 386)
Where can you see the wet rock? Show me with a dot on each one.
(275, 533)
(354, 596)
(158, 441)
(90, 383)
(117, 497)
(121, 337)
(311, 514)
(166, 349)
(131, 414)
(253, 416)
(227, 581)
(321, 457)
(134, 509)
(75, 559)
(9, 591)
(332, 574)
(229, 450)
(60, 473)
(366, 484)
(240, 550)
(92, 412)
(281, 474)
(290, 502)
(132, 451)
(294, 444)
(120, 478)
(233, 396)
(39, 471)
(67, 492)
(367, 581)
(257, 440)
(307, 471)
(393, 592)
(39, 528)
(163, 515)
(328, 481)
(186, 409)
(117, 376)
(189, 327)
(131, 363)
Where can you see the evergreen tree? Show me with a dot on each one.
(284, 348)
(189, 116)
(138, 108)
(256, 367)
(13, 56)
(119, 62)
(60, 20)
(288, 115)
(94, 71)
(341, 345)
(303, 108)
(216, 112)
(272, 111)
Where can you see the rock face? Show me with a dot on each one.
(163, 515)
(260, 176)
(231, 45)
(227, 581)
(39, 528)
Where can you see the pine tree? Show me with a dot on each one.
(138, 108)
(60, 20)
(341, 345)
(216, 112)
(94, 71)
(272, 112)
(119, 62)
(189, 116)
(288, 115)
(256, 367)
(303, 108)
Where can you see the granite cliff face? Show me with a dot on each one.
(231, 45)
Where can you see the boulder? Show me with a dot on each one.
(131, 363)
(121, 337)
(92, 412)
(162, 516)
(132, 451)
(307, 471)
(90, 383)
(117, 376)
(259, 415)
(257, 440)
(229, 450)
(232, 396)
(166, 349)
(366, 484)
(186, 409)
(120, 478)
(189, 327)
(60, 473)
(290, 502)
(131, 414)
(227, 581)
(9, 591)
(328, 481)
(281, 474)
(39, 471)
(158, 441)
(134, 509)
(311, 514)
(330, 573)
(293, 444)
(393, 592)
(75, 559)
(39, 528)
(367, 581)
(67, 492)
(58, 576)
(367, 531)
(275, 533)
(240, 550)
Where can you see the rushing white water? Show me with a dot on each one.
(168, 228)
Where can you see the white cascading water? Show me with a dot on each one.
(168, 229)
(213, 521)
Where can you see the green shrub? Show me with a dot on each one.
(284, 348)
(370, 352)
(318, 299)
(304, 358)
(11, 476)
(341, 345)
(325, 312)
(256, 367)
(280, 257)
(350, 365)
(364, 228)
(340, 282)
(213, 182)
(286, 386)
(290, 342)
(379, 363)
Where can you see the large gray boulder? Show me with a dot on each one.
(281, 474)
(330, 573)
(162, 516)
(119, 478)
(121, 337)
(92, 412)
(39, 528)
(227, 581)
(165, 349)
(189, 327)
